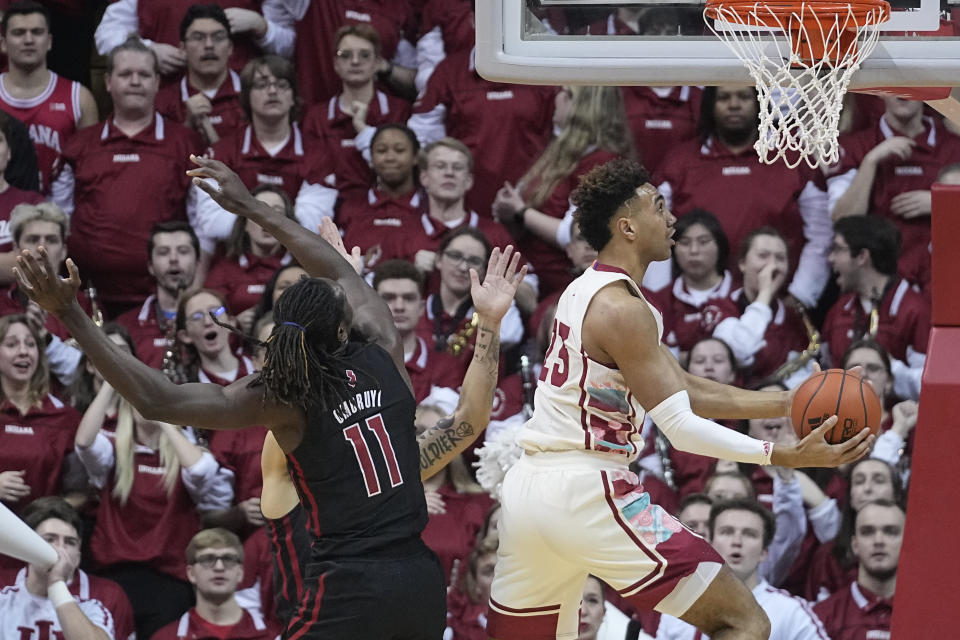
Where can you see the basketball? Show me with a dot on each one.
(836, 392)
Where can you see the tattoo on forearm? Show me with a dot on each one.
(487, 347)
(442, 440)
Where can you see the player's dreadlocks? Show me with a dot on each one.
(300, 365)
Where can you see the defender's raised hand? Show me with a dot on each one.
(492, 298)
(230, 192)
(38, 278)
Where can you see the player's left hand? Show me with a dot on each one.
(912, 204)
(229, 192)
(492, 298)
(38, 278)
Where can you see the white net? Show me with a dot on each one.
(801, 59)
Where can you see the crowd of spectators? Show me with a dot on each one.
(371, 112)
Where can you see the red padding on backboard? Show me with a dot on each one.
(927, 598)
(945, 261)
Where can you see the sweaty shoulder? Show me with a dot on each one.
(615, 315)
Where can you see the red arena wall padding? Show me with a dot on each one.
(927, 597)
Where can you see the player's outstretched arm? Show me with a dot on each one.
(321, 260)
(207, 406)
(491, 300)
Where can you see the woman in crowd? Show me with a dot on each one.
(250, 256)
(457, 505)
(39, 431)
(154, 484)
(467, 602)
(764, 331)
(700, 257)
(593, 130)
(374, 220)
(283, 277)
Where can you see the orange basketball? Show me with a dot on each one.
(836, 392)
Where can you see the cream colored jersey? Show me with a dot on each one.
(580, 403)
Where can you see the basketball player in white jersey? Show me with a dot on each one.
(571, 507)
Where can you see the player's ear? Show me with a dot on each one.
(624, 225)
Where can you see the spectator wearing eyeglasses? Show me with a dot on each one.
(345, 123)
(447, 320)
(269, 150)
(215, 569)
(207, 96)
(172, 254)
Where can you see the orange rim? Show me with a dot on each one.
(809, 39)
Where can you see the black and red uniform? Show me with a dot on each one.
(357, 471)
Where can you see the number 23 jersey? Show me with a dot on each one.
(582, 404)
(357, 469)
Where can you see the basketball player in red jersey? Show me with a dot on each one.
(570, 505)
(342, 411)
(51, 106)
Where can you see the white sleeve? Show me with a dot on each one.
(813, 271)
(279, 38)
(210, 485)
(98, 614)
(887, 447)
(119, 21)
(825, 519)
(791, 528)
(907, 375)
(744, 335)
(296, 8)
(803, 623)
(63, 359)
(689, 432)
(210, 221)
(565, 230)
(837, 186)
(429, 126)
(430, 52)
(314, 203)
(511, 327)
(61, 191)
(98, 459)
(667, 192)
(406, 55)
(362, 142)
(671, 628)
(658, 275)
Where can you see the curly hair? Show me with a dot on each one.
(602, 191)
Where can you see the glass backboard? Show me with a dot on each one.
(654, 42)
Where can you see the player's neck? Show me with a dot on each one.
(24, 83)
(270, 131)
(206, 82)
(883, 588)
(220, 613)
(446, 211)
(362, 93)
(624, 257)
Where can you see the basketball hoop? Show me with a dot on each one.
(800, 82)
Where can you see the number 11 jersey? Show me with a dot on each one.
(357, 469)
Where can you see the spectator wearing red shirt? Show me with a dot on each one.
(446, 26)
(468, 600)
(379, 220)
(764, 330)
(172, 254)
(215, 569)
(10, 197)
(832, 566)
(154, 484)
(207, 97)
(52, 107)
(400, 285)
(122, 176)
(456, 504)
(863, 610)
(886, 170)
(33, 226)
(255, 25)
(342, 125)
(875, 301)
(37, 427)
(248, 259)
(314, 56)
(723, 161)
(700, 256)
(504, 125)
(593, 131)
(270, 150)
